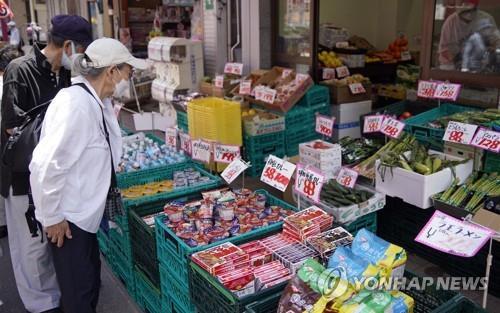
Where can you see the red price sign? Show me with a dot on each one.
(219, 81)
(226, 153)
(357, 88)
(446, 91)
(487, 139)
(277, 173)
(459, 132)
(234, 170)
(233, 68)
(309, 182)
(342, 71)
(347, 177)
(373, 123)
(185, 143)
(171, 137)
(245, 87)
(324, 125)
(268, 95)
(426, 89)
(392, 127)
(328, 73)
(300, 78)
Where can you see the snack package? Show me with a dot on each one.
(379, 252)
(326, 243)
(298, 297)
(377, 302)
(401, 303)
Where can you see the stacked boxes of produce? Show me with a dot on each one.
(322, 155)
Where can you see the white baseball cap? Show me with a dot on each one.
(108, 51)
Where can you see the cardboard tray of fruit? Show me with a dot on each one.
(258, 122)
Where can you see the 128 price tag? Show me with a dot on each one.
(487, 139)
(245, 87)
(342, 71)
(201, 151)
(328, 73)
(185, 143)
(309, 182)
(277, 173)
(447, 91)
(426, 89)
(171, 137)
(234, 170)
(373, 123)
(347, 177)
(357, 88)
(226, 153)
(392, 127)
(219, 81)
(233, 68)
(459, 132)
(324, 125)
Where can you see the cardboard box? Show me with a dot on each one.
(351, 112)
(328, 160)
(342, 94)
(210, 89)
(263, 123)
(465, 152)
(487, 219)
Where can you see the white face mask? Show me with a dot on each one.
(121, 88)
(66, 61)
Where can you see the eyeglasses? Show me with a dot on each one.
(130, 74)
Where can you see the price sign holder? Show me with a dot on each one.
(171, 135)
(487, 139)
(392, 128)
(219, 81)
(373, 123)
(324, 125)
(328, 73)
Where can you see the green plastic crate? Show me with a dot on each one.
(182, 121)
(103, 240)
(317, 94)
(462, 305)
(258, 148)
(210, 296)
(301, 135)
(121, 240)
(368, 221)
(267, 305)
(300, 116)
(178, 293)
(173, 265)
(169, 306)
(491, 162)
(148, 297)
(258, 162)
(122, 267)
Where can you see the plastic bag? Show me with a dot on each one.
(298, 297)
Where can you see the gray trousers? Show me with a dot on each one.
(31, 260)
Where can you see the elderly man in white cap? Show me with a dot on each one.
(73, 165)
(14, 35)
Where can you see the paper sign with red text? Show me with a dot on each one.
(309, 182)
(373, 123)
(324, 125)
(171, 137)
(342, 71)
(347, 177)
(185, 143)
(459, 132)
(233, 68)
(426, 89)
(245, 87)
(277, 173)
(226, 153)
(219, 81)
(447, 91)
(392, 127)
(234, 170)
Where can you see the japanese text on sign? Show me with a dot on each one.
(300, 78)
(171, 137)
(245, 87)
(328, 73)
(226, 153)
(234, 170)
(373, 123)
(185, 143)
(426, 89)
(268, 95)
(233, 68)
(453, 236)
(459, 132)
(342, 71)
(201, 150)
(324, 125)
(392, 127)
(347, 177)
(309, 182)
(447, 91)
(406, 56)
(219, 81)
(487, 139)
(357, 88)
(277, 173)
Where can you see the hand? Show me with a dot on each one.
(57, 232)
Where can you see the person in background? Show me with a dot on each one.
(30, 81)
(14, 35)
(469, 32)
(72, 170)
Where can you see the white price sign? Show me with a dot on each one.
(300, 78)
(185, 143)
(324, 125)
(459, 132)
(487, 139)
(202, 151)
(328, 73)
(233, 68)
(405, 56)
(245, 87)
(342, 71)
(219, 81)
(171, 137)
(277, 173)
(234, 170)
(426, 89)
(447, 91)
(226, 153)
(392, 127)
(450, 235)
(357, 88)
(268, 95)
(309, 182)
(347, 177)
(373, 123)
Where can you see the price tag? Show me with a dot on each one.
(268, 95)
(373, 123)
(201, 150)
(342, 71)
(300, 78)
(234, 170)
(392, 127)
(277, 173)
(286, 73)
(446, 91)
(426, 89)
(226, 153)
(328, 73)
(487, 139)
(405, 56)
(233, 68)
(357, 88)
(342, 44)
(347, 177)
(245, 87)
(219, 81)
(171, 137)
(309, 182)
(459, 132)
(324, 125)
(185, 143)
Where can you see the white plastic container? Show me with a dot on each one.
(327, 160)
(417, 189)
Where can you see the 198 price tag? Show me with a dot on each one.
(342, 71)
(201, 151)
(233, 68)
(234, 170)
(324, 125)
(426, 89)
(392, 127)
(347, 177)
(459, 132)
(171, 137)
(185, 143)
(268, 95)
(487, 139)
(277, 173)
(373, 123)
(328, 73)
(245, 87)
(226, 153)
(219, 81)
(357, 88)
(309, 182)
(447, 91)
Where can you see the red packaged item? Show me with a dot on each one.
(277, 281)
(217, 256)
(241, 282)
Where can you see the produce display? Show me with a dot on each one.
(329, 59)
(468, 117)
(398, 46)
(473, 193)
(346, 81)
(355, 150)
(337, 195)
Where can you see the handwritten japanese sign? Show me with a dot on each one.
(342, 71)
(309, 182)
(328, 73)
(171, 137)
(459, 132)
(392, 127)
(201, 151)
(185, 143)
(487, 139)
(357, 88)
(426, 89)
(233, 68)
(405, 56)
(265, 94)
(324, 125)
(245, 87)
(234, 170)
(219, 81)
(347, 177)
(373, 123)
(277, 173)
(226, 153)
(447, 91)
